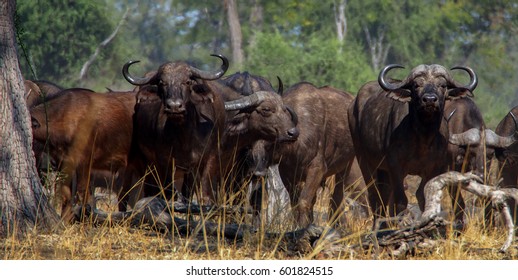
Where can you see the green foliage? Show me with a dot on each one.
(295, 40)
(60, 36)
(319, 61)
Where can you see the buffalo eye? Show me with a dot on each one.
(266, 111)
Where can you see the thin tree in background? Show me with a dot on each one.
(340, 20)
(378, 48)
(23, 205)
(236, 37)
(256, 20)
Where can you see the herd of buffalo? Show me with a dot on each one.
(185, 132)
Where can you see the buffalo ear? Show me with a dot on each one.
(203, 100)
(401, 95)
(238, 124)
(458, 92)
(504, 155)
(200, 88)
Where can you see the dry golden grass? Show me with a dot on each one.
(86, 242)
(121, 242)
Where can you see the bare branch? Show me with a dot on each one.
(103, 44)
(431, 225)
(471, 183)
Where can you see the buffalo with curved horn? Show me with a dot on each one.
(507, 158)
(398, 129)
(472, 147)
(186, 125)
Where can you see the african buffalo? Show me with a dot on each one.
(84, 131)
(188, 125)
(246, 83)
(471, 147)
(508, 158)
(247, 169)
(398, 128)
(38, 91)
(324, 149)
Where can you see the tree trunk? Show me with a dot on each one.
(340, 20)
(378, 49)
(256, 21)
(235, 32)
(23, 205)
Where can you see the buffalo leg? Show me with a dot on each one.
(67, 196)
(380, 198)
(303, 210)
(206, 194)
(337, 203)
(352, 183)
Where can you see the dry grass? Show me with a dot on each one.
(89, 242)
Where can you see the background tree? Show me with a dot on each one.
(235, 32)
(23, 205)
(293, 39)
(59, 37)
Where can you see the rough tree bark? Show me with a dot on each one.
(23, 205)
(235, 32)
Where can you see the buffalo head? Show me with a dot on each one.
(246, 83)
(427, 87)
(481, 145)
(174, 82)
(265, 113)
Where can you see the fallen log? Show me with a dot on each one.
(431, 225)
(472, 183)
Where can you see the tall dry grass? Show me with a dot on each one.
(87, 241)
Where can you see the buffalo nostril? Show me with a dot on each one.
(429, 99)
(174, 106)
(293, 132)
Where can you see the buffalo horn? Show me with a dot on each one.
(450, 115)
(473, 77)
(280, 89)
(472, 137)
(246, 101)
(294, 117)
(197, 73)
(383, 81)
(468, 137)
(497, 141)
(515, 122)
(133, 80)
